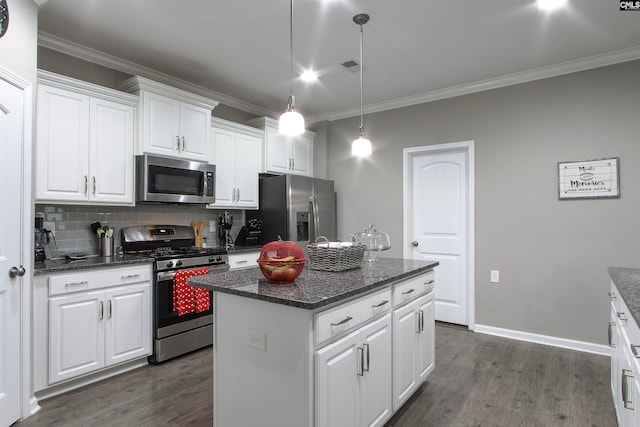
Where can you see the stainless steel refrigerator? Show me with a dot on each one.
(297, 208)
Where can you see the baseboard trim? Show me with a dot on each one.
(586, 347)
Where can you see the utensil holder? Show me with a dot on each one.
(105, 246)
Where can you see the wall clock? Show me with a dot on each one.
(4, 17)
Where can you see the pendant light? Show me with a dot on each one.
(361, 146)
(291, 122)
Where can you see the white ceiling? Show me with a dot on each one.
(414, 50)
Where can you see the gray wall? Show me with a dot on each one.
(552, 254)
(18, 45)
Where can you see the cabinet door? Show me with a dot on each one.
(301, 152)
(426, 337)
(76, 337)
(160, 124)
(405, 342)
(62, 143)
(337, 387)
(376, 405)
(247, 169)
(127, 323)
(194, 128)
(111, 152)
(223, 156)
(627, 405)
(277, 159)
(616, 351)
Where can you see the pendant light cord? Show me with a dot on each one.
(361, 80)
(290, 54)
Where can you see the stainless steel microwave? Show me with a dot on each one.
(166, 180)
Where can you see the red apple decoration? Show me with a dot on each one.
(281, 261)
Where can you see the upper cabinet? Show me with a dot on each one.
(236, 151)
(84, 142)
(172, 122)
(285, 154)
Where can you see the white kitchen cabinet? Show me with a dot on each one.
(285, 154)
(173, 122)
(413, 344)
(84, 142)
(243, 260)
(86, 322)
(236, 151)
(353, 378)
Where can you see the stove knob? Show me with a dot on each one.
(178, 264)
(170, 264)
(219, 258)
(212, 259)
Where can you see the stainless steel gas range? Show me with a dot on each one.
(176, 330)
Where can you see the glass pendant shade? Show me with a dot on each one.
(291, 123)
(361, 146)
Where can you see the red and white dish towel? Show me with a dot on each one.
(187, 299)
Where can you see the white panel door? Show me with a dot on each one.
(302, 154)
(247, 161)
(404, 358)
(76, 335)
(337, 389)
(11, 143)
(194, 128)
(439, 228)
(276, 151)
(223, 157)
(161, 124)
(127, 323)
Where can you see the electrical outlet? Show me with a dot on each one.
(50, 225)
(257, 339)
(212, 226)
(495, 276)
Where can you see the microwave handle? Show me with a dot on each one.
(204, 183)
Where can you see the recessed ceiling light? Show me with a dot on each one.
(550, 4)
(309, 76)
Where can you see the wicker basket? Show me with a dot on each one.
(335, 256)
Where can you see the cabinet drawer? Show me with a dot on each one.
(96, 279)
(243, 260)
(407, 290)
(336, 321)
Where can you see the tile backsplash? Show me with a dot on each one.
(72, 223)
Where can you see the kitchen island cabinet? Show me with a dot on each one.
(317, 352)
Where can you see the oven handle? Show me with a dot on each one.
(169, 275)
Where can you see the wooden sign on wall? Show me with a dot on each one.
(589, 179)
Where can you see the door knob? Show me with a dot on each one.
(414, 244)
(16, 271)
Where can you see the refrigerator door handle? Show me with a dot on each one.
(316, 220)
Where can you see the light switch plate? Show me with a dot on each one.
(257, 339)
(495, 276)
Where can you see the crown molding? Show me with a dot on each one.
(79, 51)
(609, 58)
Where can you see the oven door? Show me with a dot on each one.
(167, 322)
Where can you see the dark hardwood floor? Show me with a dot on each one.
(479, 380)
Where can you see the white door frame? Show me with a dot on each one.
(28, 402)
(407, 196)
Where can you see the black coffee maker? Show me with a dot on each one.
(41, 238)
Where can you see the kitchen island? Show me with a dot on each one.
(331, 349)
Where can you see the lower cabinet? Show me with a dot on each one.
(243, 260)
(353, 378)
(85, 322)
(92, 330)
(414, 347)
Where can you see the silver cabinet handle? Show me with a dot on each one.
(366, 358)
(178, 143)
(612, 295)
(430, 282)
(110, 309)
(130, 276)
(408, 292)
(360, 370)
(72, 284)
(380, 304)
(86, 184)
(420, 321)
(237, 194)
(16, 271)
(621, 315)
(634, 350)
(94, 184)
(244, 261)
(626, 376)
(184, 144)
(101, 310)
(610, 333)
(343, 321)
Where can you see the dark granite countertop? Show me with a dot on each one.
(60, 265)
(627, 281)
(313, 288)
